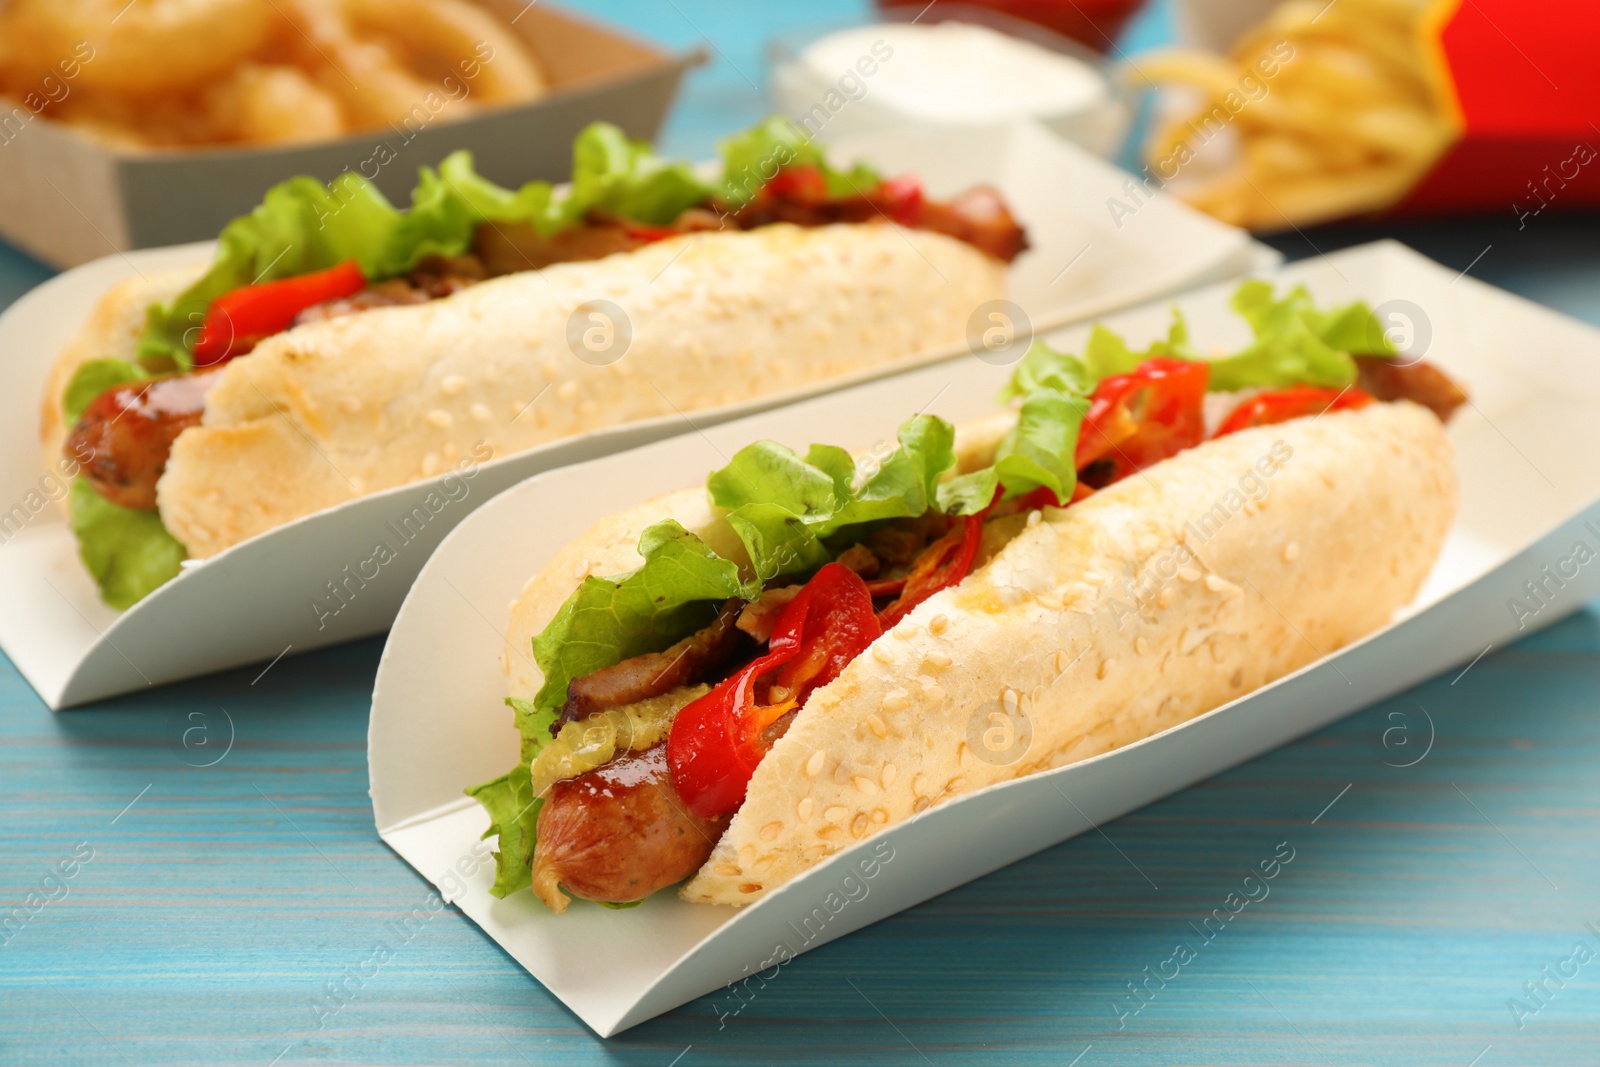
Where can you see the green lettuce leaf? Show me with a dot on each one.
(94, 377)
(750, 158)
(607, 620)
(1297, 344)
(514, 818)
(783, 507)
(128, 553)
(1039, 451)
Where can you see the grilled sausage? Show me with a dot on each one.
(125, 434)
(619, 833)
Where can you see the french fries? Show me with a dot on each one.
(1345, 122)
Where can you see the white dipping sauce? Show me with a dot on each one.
(956, 72)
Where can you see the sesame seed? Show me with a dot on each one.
(453, 385)
(1189, 574)
(879, 815)
(763, 865)
(747, 855)
(440, 419)
(1105, 668)
(750, 887)
(814, 764)
(865, 784)
(1291, 551)
(567, 392)
(1034, 517)
(905, 630)
(886, 776)
(805, 808)
(938, 661)
(727, 870)
(1140, 645)
(1164, 598)
(1009, 701)
(882, 654)
(836, 813)
(770, 831)
(921, 804)
(830, 833)
(480, 412)
(896, 700)
(938, 624)
(858, 825)
(876, 725)
(1216, 583)
(932, 693)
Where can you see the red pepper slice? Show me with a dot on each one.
(941, 564)
(236, 321)
(716, 742)
(803, 184)
(1281, 405)
(899, 198)
(1141, 418)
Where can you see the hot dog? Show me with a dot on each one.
(1246, 514)
(361, 347)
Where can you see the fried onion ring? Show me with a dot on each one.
(274, 104)
(445, 38)
(144, 47)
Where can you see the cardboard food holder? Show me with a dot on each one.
(314, 582)
(1517, 91)
(438, 724)
(68, 198)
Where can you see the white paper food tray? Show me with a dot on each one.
(259, 599)
(438, 724)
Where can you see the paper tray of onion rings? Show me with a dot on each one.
(158, 125)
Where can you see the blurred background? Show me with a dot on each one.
(1314, 124)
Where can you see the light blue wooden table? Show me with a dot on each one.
(209, 907)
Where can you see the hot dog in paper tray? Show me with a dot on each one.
(724, 685)
(337, 346)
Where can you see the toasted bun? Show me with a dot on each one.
(1154, 601)
(331, 411)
